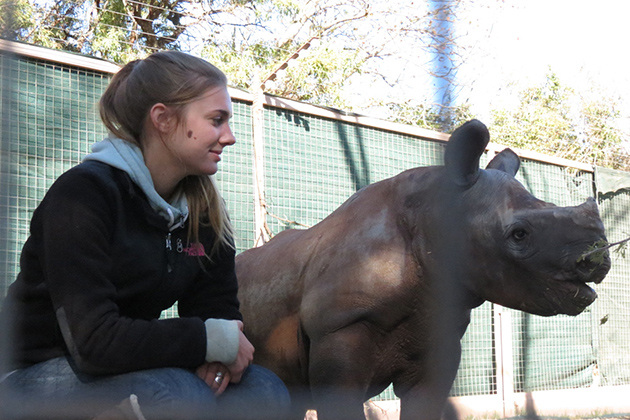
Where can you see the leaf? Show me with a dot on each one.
(597, 251)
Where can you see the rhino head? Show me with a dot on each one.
(520, 252)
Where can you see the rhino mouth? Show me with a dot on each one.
(581, 296)
(575, 294)
(590, 271)
(561, 297)
(569, 297)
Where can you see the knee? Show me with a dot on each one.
(268, 385)
(175, 392)
(259, 395)
(176, 384)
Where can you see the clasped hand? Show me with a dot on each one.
(218, 376)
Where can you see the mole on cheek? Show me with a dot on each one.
(190, 133)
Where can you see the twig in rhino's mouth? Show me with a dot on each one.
(600, 247)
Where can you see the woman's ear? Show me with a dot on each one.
(162, 118)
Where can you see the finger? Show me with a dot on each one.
(224, 384)
(208, 372)
(202, 372)
(219, 382)
(211, 381)
(236, 379)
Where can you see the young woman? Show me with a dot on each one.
(136, 227)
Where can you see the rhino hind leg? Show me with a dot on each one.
(338, 403)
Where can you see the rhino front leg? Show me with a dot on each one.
(423, 403)
(340, 368)
(427, 398)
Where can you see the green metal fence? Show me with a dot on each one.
(312, 164)
(49, 120)
(611, 312)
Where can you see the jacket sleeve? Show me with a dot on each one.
(75, 223)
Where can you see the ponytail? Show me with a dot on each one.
(117, 109)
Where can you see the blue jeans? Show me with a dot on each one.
(52, 389)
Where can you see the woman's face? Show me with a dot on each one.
(204, 132)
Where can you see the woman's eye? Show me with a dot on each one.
(519, 234)
(217, 120)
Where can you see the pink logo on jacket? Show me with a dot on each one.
(195, 249)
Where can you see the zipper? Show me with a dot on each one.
(169, 244)
(169, 247)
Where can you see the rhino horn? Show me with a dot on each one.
(590, 206)
(506, 161)
(589, 211)
(463, 150)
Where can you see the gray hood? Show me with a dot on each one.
(128, 157)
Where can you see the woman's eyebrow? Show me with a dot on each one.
(224, 113)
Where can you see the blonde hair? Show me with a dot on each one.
(174, 79)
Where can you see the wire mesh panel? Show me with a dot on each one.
(611, 312)
(50, 120)
(477, 370)
(235, 177)
(313, 164)
(552, 353)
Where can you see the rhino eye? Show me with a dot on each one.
(519, 234)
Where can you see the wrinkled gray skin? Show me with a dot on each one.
(381, 290)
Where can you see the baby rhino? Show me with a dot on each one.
(380, 291)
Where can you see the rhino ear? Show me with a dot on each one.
(506, 161)
(463, 151)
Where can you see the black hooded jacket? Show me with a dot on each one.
(98, 269)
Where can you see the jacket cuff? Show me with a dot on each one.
(222, 339)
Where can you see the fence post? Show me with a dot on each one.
(504, 359)
(258, 138)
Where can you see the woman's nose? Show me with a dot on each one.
(227, 137)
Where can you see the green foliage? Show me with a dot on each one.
(16, 14)
(287, 7)
(320, 75)
(241, 61)
(553, 119)
(112, 38)
(243, 37)
(428, 116)
(605, 146)
(116, 29)
(316, 76)
(599, 250)
(114, 46)
(542, 121)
